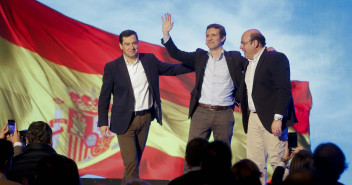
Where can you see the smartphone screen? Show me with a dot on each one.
(292, 140)
(11, 124)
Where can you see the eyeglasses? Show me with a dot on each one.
(244, 43)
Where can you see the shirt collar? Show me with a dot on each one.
(221, 55)
(257, 56)
(137, 60)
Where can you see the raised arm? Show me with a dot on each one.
(167, 25)
(187, 58)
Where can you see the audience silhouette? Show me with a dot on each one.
(57, 170)
(5, 161)
(209, 163)
(194, 155)
(329, 162)
(246, 172)
(39, 139)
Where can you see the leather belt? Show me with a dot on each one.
(141, 113)
(214, 107)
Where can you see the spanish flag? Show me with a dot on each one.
(51, 70)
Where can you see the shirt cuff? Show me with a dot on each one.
(165, 39)
(278, 116)
(17, 144)
(282, 164)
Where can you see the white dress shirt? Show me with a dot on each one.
(217, 87)
(143, 98)
(249, 78)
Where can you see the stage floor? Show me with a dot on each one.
(89, 181)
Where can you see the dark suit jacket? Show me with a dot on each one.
(24, 164)
(200, 178)
(197, 61)
(271, 91)
(190, 178)
(116, 81)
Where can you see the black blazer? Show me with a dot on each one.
(271, 91)
(197, 60)
(24, 164)
(116, 81)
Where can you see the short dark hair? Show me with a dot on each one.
(127, 33)
(217, 158)
(301, 159)
(246, 172)
(39, 132)
(220, 28)
(329, 159)
(195, 151)
(6, 152)
(259, 37)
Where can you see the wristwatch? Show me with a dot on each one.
(277, 117)
(285, 161)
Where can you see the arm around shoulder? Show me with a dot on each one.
(168, 69)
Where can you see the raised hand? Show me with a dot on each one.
(4, 132)
(15, 137)
(167, 24)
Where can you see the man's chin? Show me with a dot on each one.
(132, 55)
(213, 47)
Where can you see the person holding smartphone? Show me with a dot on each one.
(10, 132)
(39, 140)
(301, 158)
(11, 124)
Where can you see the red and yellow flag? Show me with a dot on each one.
(51, 70)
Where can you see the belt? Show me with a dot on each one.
(213, 107)
(141, 113)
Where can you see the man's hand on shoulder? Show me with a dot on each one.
(270, 49)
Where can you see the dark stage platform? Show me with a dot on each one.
(89, 181)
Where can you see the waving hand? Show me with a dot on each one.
(167, 24)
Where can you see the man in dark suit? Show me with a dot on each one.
(133, 79)
(218, 77)
(266, 101)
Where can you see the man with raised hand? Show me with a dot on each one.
(218, 77)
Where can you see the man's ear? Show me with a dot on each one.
(223, 39)
(256, 43)
(120, 45)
